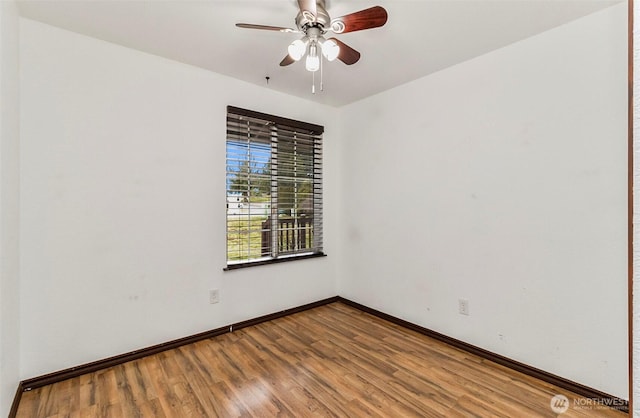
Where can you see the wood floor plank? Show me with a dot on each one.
(129, 401)
(113, 410)
(106, 388)
(87, 391)
(191, 406)
(29, 404)
(162, 387)
(330, 361)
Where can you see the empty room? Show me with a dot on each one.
(316, 208)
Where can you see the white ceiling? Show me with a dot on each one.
(420, 37)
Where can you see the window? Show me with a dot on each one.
(274, 188)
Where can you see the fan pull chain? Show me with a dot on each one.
(321, 72)
(313, 84)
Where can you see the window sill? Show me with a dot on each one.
(272, 261)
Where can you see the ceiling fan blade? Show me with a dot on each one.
(287, 61)
(373, 17)
(308, 9)
(265, 27)
(347, 54)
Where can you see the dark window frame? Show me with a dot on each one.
(287, 142)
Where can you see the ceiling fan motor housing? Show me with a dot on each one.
(305, 20)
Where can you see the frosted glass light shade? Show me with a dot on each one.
(330, 50)
(313, 63)
(297, 49)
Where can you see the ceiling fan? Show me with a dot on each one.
(313, 22)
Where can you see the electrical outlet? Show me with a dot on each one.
(214, 296)
(463, 306)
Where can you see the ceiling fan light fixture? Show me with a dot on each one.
(330, 49)
(297, 49)
(314, 22)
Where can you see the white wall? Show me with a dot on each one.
(123, 202)
(9, 209)
(503, 181)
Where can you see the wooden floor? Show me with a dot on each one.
(329, 361)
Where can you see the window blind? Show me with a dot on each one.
(274, 187)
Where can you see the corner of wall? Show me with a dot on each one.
(9, 198)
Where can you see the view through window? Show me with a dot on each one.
(274, 187)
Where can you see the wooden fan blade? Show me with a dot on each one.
(264, 27)
(347, 54)
(373, 17)
(287, 61)
(308, 9)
